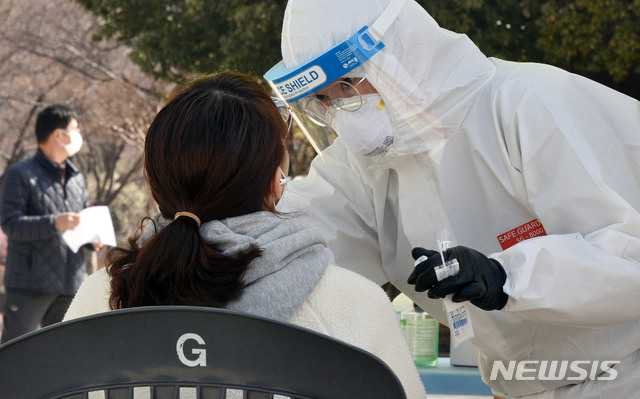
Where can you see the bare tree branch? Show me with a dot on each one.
(47, 56)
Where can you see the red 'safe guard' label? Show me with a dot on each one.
(528, 230)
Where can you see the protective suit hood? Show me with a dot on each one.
(419, 96)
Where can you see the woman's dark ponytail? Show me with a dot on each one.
(211, 151)
(176, 267)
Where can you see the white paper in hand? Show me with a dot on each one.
(95, 226)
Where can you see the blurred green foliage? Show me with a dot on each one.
(599, 39)
(172, 39)
(592, 36)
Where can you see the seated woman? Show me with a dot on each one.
(215, 160)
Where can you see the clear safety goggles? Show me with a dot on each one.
(322, 86)
(341, 95)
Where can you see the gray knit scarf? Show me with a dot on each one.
(294, 258)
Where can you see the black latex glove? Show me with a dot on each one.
(480, 279)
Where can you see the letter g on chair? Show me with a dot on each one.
(201, 353)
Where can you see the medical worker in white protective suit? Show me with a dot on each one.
(533, 171)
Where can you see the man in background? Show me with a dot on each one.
(40, 199)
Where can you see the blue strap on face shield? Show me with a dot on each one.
(295, 83)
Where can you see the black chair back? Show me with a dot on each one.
(188, 352)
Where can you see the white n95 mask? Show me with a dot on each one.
(367, 131)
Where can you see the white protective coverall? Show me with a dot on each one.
(492, 151)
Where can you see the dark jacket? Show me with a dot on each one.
(32, 195)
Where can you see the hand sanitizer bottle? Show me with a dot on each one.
(421, 332)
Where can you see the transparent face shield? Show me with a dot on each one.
(317, 90)
(285, 111)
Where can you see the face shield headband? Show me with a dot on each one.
(297, 83)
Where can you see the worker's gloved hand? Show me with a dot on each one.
(479, 280)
